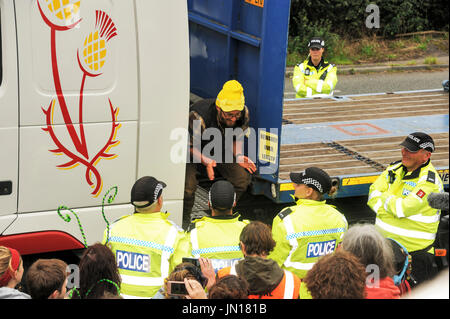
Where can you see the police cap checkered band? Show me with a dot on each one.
(222, 195)
(316, 42)
(313, 177)
(418, 140)
(146, 189)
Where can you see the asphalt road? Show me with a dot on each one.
(382, 82)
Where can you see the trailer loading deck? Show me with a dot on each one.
(354, 138)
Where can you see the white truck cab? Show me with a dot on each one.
(90, 92)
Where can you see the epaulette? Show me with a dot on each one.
(285, 212)
(431, 177)
(395, 162)
(190, 227)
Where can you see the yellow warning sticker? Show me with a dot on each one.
(258, 3)
(443, 173)
(268, 146)
(359, 180)
(286, 187)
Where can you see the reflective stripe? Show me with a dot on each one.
(133, 297)
(170, 241)
(377, 206)
(308, 92)
(386, 203)
(319, 232)
(425, 219)
(142, 281)
(194, 242)
(319, 86)
(196, 251)
(142, 243)
(404, 232)
(373, 194)
(330, 83)
(233, 270)
(216, 249)
(399, 208)
(287, 221)
(288, 285)
(298, 265)
(297, 87)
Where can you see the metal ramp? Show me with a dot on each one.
(355, 137)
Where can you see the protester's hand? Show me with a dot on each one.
(194, 289)
(246, 163)
(208, 271)
(210, 164)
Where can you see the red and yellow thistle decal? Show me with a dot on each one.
(91, 59)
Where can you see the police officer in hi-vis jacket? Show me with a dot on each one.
(309, 229)
(146, 243)
(315, 77)
(399, 199)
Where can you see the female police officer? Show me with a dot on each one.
(309, 229)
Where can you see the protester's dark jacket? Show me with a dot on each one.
(206, 115)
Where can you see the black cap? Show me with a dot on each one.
(418, 140)
(222, 195)
(146, 188)
(316, 42)
(313, 177)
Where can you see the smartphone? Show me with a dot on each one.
(193, 261)
(176, 288)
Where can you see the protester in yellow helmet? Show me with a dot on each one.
(315, 77)
(210, 120)
(311, 228)
(146, 243)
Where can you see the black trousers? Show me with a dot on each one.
(423, 267)
(232, 172)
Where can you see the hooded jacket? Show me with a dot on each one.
(11, 293)
(264, 277)
(386, 290)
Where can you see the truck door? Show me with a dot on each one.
(9, 132)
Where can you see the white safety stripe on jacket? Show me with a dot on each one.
(308, 92)
(196, 251)
(156, 281)
(288, 285)
(404, 232)
(233, 270)
(287, 221)
(319, 86)
(292, 238)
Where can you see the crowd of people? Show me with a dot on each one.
(309, 250)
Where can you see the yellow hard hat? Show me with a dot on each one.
(231, 97)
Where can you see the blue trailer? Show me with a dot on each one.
(352, 137)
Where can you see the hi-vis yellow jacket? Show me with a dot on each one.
(215, 238)
(305, 232)
(309, 81)
(146, 247)
(399, 198)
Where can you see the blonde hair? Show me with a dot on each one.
(5, 259)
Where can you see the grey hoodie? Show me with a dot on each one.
(11, 293)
